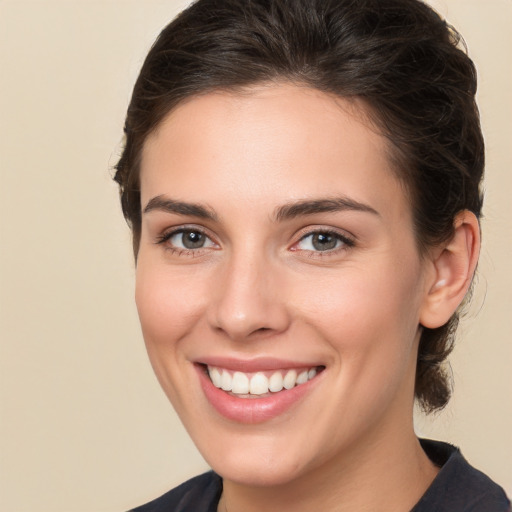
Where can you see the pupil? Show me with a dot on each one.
(324, 241)
(193, 239)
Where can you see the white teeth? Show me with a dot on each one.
(290, 379)
(258, 383)
(302, 377)
(275, 383)
(240, 383)
(226, 381)
(216, 377)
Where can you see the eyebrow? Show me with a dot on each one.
(168, 205)
(310, 207)
(285, 212)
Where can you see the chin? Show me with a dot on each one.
(261, 458)
(259, 472)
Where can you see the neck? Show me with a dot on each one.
(385, 474)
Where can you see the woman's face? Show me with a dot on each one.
(278, 251)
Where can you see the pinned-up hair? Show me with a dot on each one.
(398, 56)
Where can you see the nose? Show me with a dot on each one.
(249, 300)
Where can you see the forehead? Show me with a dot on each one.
(268, 142)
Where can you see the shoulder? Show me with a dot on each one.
(199, 494)
(459, 487)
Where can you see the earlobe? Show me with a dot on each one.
(454, 265)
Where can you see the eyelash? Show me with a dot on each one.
(346, 241)
(180, 251)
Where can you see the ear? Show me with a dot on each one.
(453, 266)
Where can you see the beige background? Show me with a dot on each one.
(84, 426)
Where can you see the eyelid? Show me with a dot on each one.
(348, 239)
(168, 233)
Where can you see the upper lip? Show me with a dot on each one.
(254, 365)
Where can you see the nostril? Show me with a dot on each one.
(261, 332)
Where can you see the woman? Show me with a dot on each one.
(302, 182)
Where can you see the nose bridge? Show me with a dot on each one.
(248, 298)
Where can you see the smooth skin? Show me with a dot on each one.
(255, 275)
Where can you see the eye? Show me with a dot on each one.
(323, 241)
(186, 240)
(189, 239)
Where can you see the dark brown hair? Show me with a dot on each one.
(398, 56)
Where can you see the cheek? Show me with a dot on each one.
(169, 304)
(368, 317)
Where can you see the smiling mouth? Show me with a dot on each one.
(259, 384)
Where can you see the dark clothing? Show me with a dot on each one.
(458, 487)
(200, 494)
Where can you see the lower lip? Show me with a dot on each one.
(252, 410)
